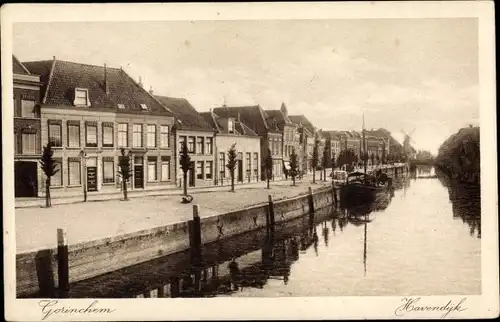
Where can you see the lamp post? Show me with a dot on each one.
(83, 156)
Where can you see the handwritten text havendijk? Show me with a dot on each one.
(51, 308)
(411, 304)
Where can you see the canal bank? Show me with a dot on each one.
(40, 268)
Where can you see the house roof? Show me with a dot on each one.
(60, 78)
(280, 118)
(18, 67)
(187, 117)
(254, 117)
(301, 119)
(216, 122)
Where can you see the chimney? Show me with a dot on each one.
(239, 119)
(140, 81)
(151, 90)
(106, 87)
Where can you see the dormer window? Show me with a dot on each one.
(81, 97)
(230, 125)
(121, 106)
(144, 106)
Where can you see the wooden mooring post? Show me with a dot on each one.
(194, 227)
(270, 215)
(45, 273)
(62, 263)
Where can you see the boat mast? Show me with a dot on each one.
(364, 146)
(364, 248)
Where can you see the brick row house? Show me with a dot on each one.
(90, 113)
(229, 131)
(306, 140)
(191, 127)
(271, 137)
(289, 133)
(27, 130)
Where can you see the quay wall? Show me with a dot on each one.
(39, 269)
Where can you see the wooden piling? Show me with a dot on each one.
(311, 200)
(45, 273)
(62, 263)
(195, 235)
(270, 219)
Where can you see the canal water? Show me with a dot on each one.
(423, 238)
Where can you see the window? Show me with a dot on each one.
(248, 157)
(137, 135)
(230, 125)
(81, 97)
(107, 134)
(152, 161)
(191, 144)
(199, 145)
(55, 133)
(16, 110)
(209, 146)
(73, 134)
(199, 170)
(29, 143)
(182, 140)
(164, 139)
(56, 179)
(256, 165)
(108, 169)
(28, 108)
(91, 134)
(165, 168)
(208, 169)
(122, 134)
(222, 164)
(74, 172)
(151, 136)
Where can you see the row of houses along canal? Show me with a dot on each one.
(423, 237)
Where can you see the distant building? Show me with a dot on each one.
(27, 131)
(271, 137)
(288, 130)
(191, 127)
(89, 113)
(229, 131)
(306, 133)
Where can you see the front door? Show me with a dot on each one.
(240, 171)
(138, 176)
(25, 179)
(192, 178)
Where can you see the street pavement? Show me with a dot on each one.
(36, 228)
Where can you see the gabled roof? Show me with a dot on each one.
(253, 117)
(281, 119)
(187, 117)
(215, 121)
(60, 78)
(336, 135)
(18, 67)
(301, 119)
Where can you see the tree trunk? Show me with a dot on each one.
(314, 175)
(232, 180)
(293, 180)
(124, 182)
(267, 182)
(324, 173)
(184, 176)
(47, 193)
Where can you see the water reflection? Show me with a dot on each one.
(466, 202)
(258, 261)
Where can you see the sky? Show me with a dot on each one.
(402, 74)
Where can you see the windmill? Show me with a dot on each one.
(408, 150)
